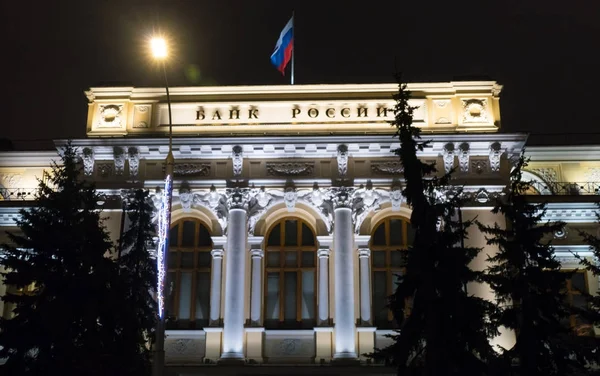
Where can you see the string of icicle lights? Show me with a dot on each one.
(163, 244)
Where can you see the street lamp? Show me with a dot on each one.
(159, 50)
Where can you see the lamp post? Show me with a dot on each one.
(159, 51)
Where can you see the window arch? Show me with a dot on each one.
(188, 274)
(390, 238)
(290, 275)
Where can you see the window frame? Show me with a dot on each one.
(282, 269)
(196, 249)
(570, 291)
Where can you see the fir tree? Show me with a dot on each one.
(529, 285)
(443, 330)
(61, 324)
(136, 314)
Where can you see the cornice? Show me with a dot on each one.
(9, 216)
(27, 158)
(563, 153)
(571, 212)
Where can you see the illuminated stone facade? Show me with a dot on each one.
(287, 205)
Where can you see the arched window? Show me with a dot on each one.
(390, 238)
(290, 275)
(188, 276)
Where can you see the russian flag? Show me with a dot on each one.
(284, 47)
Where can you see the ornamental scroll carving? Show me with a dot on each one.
(475, 111)
(463, 157)
(547, 174)
(342, 159)
(289, 169)
(133, 156)
(119, 155)
(110, 115)
(387, 168)
(448, 157)
(88, 157)
(237, 156)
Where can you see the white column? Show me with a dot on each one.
(323, 297)
(257, 254)
(216, 280)
(364, 258)
(345, 322)
(235, 270)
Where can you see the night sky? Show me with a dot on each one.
(545, 53)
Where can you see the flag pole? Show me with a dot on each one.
(293, 47)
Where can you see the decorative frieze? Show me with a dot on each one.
(290, 168)
(547, 174)
(105, 169)
(387, 168)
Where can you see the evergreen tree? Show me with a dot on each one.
(136, 312)
(529, 285)
(61, 324)
(443, 329)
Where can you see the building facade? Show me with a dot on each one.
(288, 219)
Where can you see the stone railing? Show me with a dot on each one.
(17, 194)
(567, 188)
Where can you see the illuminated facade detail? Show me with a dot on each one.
(87, 155)
(320, 160)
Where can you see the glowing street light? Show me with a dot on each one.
(159, 50)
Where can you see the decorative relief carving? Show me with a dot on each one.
(88, 156)
(10, 180)
(592, 174)
(396, 198)
(105, 169)
(475, 111)
(387, 168)
(561, 233)
(189, 169)
(342, 159)
(141, 124)
(289, 197)
(448, 157)
(110, 115)
(495, 154)
(237, 156)
(119, 155)
(289, 347)
(463, 157)
(365, 200)
(183, 348)
(547, 174)
(237, 198)
(290, 168)
(480, 166)
(441, 103)
(443, 120)
(133, 156)
(341, 197)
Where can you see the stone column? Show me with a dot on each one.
(364, 260)
(343, 242)
(323, 282)
(235, 278)
(257, 255)
(216, 280)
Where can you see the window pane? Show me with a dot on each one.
(379, 235)
(273, 259)
(291, 259)
(174, 236)
(308, 259)
(380, 311)
(379, 259)
(396, 232)
(202, 295)
(308, 295)
(290, 283)
(185, 295)
(307, 236)
(187, 260)
(291, 232)
(189, 229)
(170, 294)
(397, 258)
(173, 261)
(578, 282)
(204, 259)
(272, 311)
(275, 236)
(204, 239)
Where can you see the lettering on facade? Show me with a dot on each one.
(296, 113)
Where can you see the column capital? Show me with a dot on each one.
(325, 241)
(364, 252)
(362, 241)
(323, 253)
(257, 253)
(255, 241)
(217, 253)
(342, 197)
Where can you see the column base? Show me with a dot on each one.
(232, 359)
(345, 359)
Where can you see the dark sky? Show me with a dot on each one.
(545, 53)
